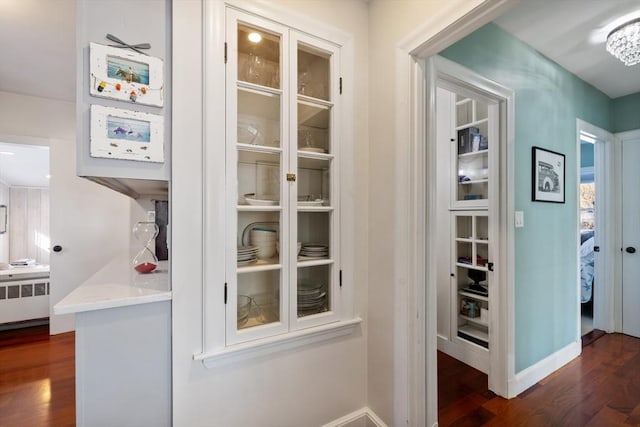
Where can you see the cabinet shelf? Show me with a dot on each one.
(474, 153)
(315, 208)
(313, 155)
(473, 296)
(260, 265)
(471, 124)
(254, 148)
(312, 262)
(250, 208)
(258, 89)
(474, 320)
(314, 102)
(474, 181)
(471, 266)
(474, 334)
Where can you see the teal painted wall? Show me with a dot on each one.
(548, 99)
(625, 113)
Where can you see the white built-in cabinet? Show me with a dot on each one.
(468, 144)
(283, 149)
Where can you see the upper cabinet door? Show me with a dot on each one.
(315, 249)
(475, 134)
(256, 156)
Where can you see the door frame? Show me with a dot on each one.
(415, 317)
(603, 307)
(620, 137)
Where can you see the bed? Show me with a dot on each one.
(587, 259)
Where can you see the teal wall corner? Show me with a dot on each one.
(625, 113)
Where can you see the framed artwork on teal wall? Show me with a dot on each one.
(548, 176)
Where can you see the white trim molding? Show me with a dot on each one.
(534, 373)
(365, 415)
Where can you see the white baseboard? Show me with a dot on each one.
(362, 417)
(530, 376)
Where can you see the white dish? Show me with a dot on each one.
(247, 262)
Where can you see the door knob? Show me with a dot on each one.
(630, 250)
(57, 248)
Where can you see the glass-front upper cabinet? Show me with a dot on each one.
(475, 130)
(282, 171)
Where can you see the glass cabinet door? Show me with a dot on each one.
(282, 180)
(474, 132)
(257, 299)
(315, 224)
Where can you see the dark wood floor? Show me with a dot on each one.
(37, 378)
(601, 388)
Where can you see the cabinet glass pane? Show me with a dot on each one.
(464, 112)
(313, 127)
(258, 298)
(314, 233)
(464, 251)
(258, 118)
(258, 239)
(464, 228)
(313, 290)
(482, 228)
(258, 178)
(313, 72)
(473, 176)
(258, 57)
(313, 182)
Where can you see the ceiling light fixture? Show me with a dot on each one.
(624, 42)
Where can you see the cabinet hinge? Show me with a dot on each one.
(340, 277)
(225, 293)
(340, 85)
(225, 52)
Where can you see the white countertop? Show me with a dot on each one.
(117, 284)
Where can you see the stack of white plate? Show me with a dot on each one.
(314, 250)
(247, 254)
(311, 299)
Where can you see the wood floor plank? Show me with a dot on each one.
(600, 388)
(37, 378)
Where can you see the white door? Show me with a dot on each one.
(631, 237)
(89, 222)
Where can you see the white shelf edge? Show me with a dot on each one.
(474, 332)
(474, 320)
(306, 262)
(474, 181)
(252, 268)
(261, 347)
(251, 208)
(315, 208)
(258, 89)
(315, 156)
(314, 102)
(468, 125)
(473, 153)
(258, 148)
(474, 296)
(463, 101)
(464, 240)
(471, 266)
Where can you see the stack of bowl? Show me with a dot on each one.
(265, 240)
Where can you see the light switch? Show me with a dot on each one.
(519, 219)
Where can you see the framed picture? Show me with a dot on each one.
(548, 174)
(126, 76)
(127, 135)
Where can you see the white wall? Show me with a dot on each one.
(306, 386)
(80, 210)
(4, 238)
(390, 23)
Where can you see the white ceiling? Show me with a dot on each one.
(24, 165)
(573, 33)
